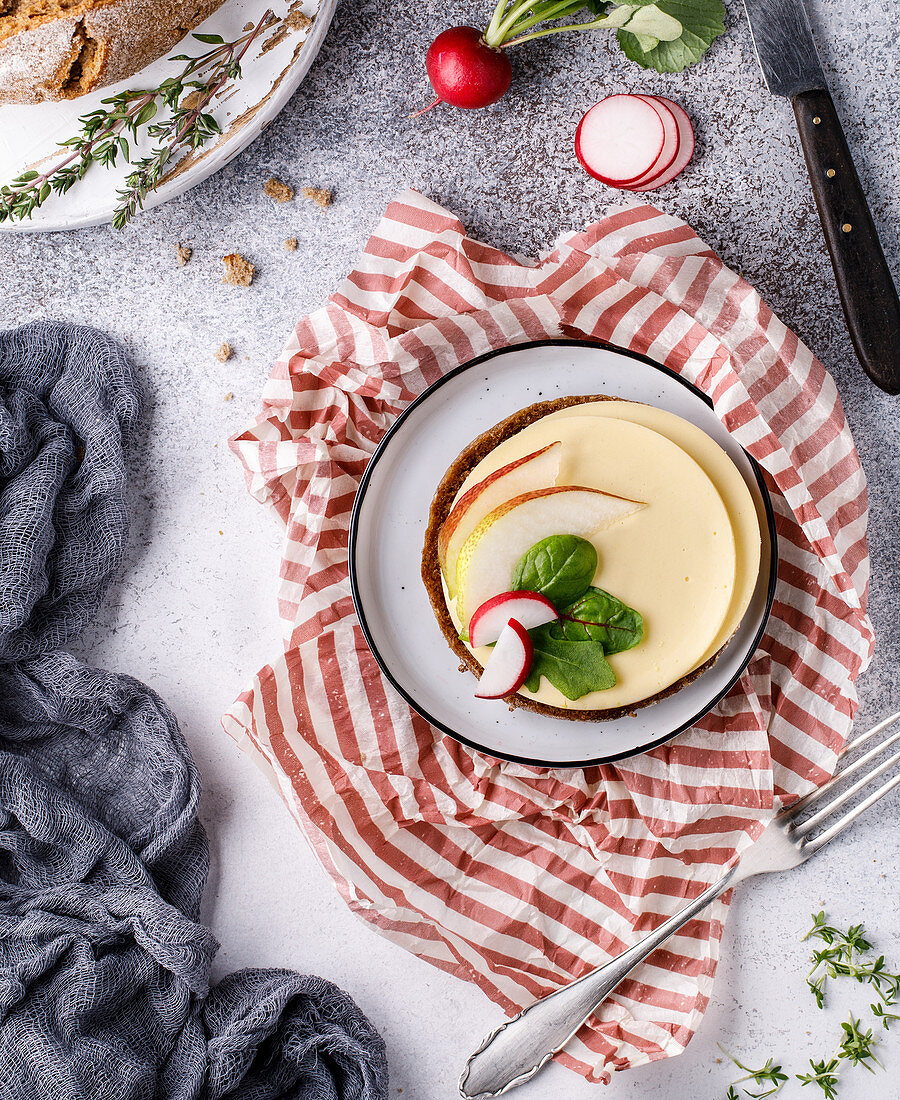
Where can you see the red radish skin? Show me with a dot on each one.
(670, 146)
(508, 666)
(620, 139)
(464, 71)
(530, 609)
(686, 144)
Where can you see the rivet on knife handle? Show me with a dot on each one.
(864, 281)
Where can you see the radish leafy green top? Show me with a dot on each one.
(666, 35)
(701, 24)
(592, 625)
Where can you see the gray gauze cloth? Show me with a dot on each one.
(104, 967)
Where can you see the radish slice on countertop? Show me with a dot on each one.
(620, 139)
(529, 609)
(671, 144)
(685, 149)
(508, 666)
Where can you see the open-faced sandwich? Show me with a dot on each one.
(589, 556)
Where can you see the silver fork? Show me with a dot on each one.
(518, 1049)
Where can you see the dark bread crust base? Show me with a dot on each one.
(431, 569)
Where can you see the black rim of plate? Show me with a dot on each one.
(358, 603)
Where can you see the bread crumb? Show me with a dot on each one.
(249, 27)
(291, 244)
(191, 100)
(297, 19)
(278, 190)
(229, 396)
(224, 353)
(318, 195)
(183, 253)
(238, 271)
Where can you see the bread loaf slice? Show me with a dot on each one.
(60, 49)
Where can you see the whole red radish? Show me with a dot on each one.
(465, 71)
(469, 68)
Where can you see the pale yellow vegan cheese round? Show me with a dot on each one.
(746, 520)
(675, 561)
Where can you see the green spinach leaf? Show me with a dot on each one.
(574, 668)
(599, 617)
(560, 567)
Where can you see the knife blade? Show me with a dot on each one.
(787, 54)
(785, 47)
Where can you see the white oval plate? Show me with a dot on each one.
(30, 135)
(387, 532)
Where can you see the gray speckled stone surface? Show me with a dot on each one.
(194, 614)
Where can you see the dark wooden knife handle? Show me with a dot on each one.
(864, 281)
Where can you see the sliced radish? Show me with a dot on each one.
(670, 146)
(620, 139)
(531, 609)
(686, 144)
(508, 665)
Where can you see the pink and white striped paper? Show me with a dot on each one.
(516, 878)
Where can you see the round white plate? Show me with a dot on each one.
(387, 533)
(30, 135)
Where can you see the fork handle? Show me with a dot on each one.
(518, 1049)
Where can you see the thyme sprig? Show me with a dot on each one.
(843, 955)
(824, 1074)
(856, 1045)
(769, 1074)
(105, 133)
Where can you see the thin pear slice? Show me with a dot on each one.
(490, 554)
(534, 471)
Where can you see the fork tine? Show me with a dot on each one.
(851, 769)
(826, 811)
(813, 846)
(869, 734)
